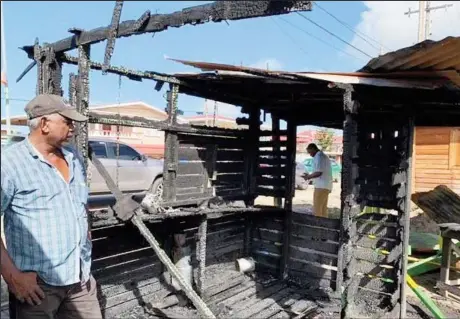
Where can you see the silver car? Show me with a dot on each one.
(132, 171)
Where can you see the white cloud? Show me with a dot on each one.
(386, 22)
(269, 63)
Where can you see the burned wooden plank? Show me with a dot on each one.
(216, 12)
(263, 305)
(290, 192)
(112, 35)
(314, 232)
(264, 191)
(201, 254)
(322, 246)
(82, 102)
(312, 256)
(171, 148)
(135, 75)
(284, 303)
(315, 221)
(267, 181)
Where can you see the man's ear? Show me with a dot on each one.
(44, 125)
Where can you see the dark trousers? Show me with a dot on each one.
(77, 301)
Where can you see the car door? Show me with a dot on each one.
(133, 175)
(97, 182)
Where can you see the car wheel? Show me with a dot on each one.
(157, 189)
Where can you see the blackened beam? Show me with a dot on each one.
(131, 74)
(112, 35)
(216, 12)
(137, 121)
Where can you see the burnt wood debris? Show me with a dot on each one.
(305, 266)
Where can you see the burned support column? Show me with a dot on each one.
(82, 102)
(73, 82)
(374, 230)
(349, 205)
(171, 147)
(290, 192)
(278, 201)
(405, 208)
(201, 254)
(38, 55)
(252, 151)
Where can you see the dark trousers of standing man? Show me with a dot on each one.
(78, 301)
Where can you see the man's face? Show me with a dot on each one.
(57, 128)
(311, 151)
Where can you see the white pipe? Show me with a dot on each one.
(245, 265)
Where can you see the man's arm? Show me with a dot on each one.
(317, 172)
(22, 284)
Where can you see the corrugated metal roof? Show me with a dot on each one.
(427, 56)
(420, 80)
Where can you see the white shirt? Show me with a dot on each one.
(321, 163)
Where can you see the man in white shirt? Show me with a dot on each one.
(322, 180)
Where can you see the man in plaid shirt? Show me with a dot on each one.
(43, 201)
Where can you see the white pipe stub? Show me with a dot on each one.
(245, 264)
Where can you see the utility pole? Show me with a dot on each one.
(424, 21)
(4, 74)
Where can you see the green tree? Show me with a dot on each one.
(324, 138)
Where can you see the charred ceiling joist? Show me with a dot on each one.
(216, 12)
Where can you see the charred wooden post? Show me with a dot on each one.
(278, 201)
(82, 102)
(73, 80)
(373, 243)
(252, 151)
(201, 254)
(349, 205)
(37, 55)
(405, 207)
(51, 69)
(112, 35)
(171, 147)
(290, 192)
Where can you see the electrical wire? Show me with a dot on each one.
(358, 33)
(321, 40)
(289, 36)
(333, 34)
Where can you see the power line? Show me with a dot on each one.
(320, 40)
(358, 33)
(289, 36)
(333, 34)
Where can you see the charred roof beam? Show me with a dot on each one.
(216, 12)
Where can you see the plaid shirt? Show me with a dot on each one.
(46, 223)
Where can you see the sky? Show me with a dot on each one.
(287, 42)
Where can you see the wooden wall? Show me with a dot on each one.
(437, 158)
(128, 271)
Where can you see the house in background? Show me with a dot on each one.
(148, 141)
(310, 136)
(436, 158)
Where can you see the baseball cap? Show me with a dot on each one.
(46, 104)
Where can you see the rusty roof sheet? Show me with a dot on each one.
(420, 79)
(428, 55)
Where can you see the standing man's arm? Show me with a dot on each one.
(23, 285)
(316, 170)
